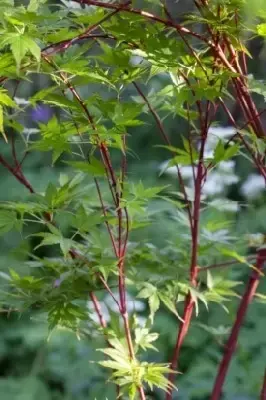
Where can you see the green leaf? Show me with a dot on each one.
(65, 313)
(154, 304)
(236, 256)
(196, 295)
(132, 392)
(6, 100)
(2, 123)
(94, 166)
(219, 151)
(146, 291)
(261, 29)
(42, 94)
(210, 283)
(33, 5)
(33, 48)
(231, 151)
(20, 45)
(223, 154)
(8, 221)
(48, 239)
(143, 338)
(61, 101)
(170, 304)
(257, 86)
(150, 292)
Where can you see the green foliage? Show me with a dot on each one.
(131, 373)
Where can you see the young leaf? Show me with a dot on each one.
(5, 100)
(8, 221)
(20, 45)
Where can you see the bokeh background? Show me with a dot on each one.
(61, 368)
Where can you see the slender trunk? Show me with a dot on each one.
(241, 313)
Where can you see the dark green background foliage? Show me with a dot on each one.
(35, 365)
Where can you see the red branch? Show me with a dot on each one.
(98, 310)
(241, 313)
(17, 173)
(189, 302)
(145, 14)
(263, 389)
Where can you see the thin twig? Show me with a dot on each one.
(17, 174)
(98, 310)
(166, 139)
(145, 14)
(65, 44)
(224, 264)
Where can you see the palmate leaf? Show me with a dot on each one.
(170, 304)
(55, 237)
(62, 34)
(61, 101)
(9, 221)
(30, 207)
(56, 137)
(6, 100)
(80, 68)
(7, 65)
(42, 94)
(93, 166)
(65, 314)
(20, 45)
(261, 29)
(149, 292)
(130, 373)
(144, 338)
(60, 197)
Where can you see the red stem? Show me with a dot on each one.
(17, 174)
(259, 165)
(241, 313)
(263, 389)
(98, 310)
(244, 96)
(188, 310)
(189, 302)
